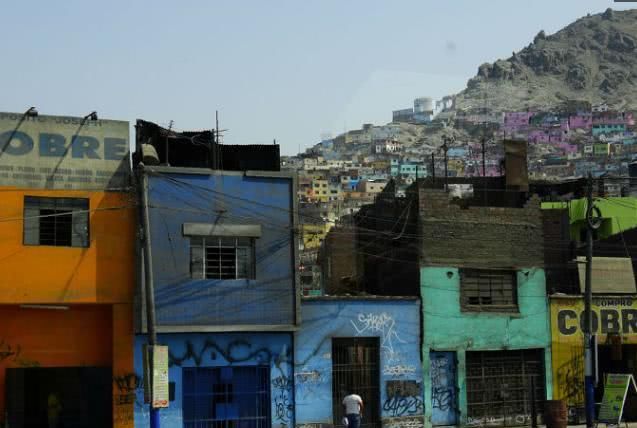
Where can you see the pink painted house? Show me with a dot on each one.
(582, 120)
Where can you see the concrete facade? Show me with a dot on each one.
(227, 319)
(396, 324)
(506, 238)
(448, 328)
(271, 351)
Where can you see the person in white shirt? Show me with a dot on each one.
(353, 405)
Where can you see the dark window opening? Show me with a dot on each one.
(483, 289)
(222, 258)
(226, 397)
(356, 370)
(60, 222)
(499, 386)
(79, 397)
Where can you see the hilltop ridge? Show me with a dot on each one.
(593, 59)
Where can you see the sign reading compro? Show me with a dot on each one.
(610, 315)
(58, 152)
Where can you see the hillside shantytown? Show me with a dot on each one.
(453, 301)
(469, 263)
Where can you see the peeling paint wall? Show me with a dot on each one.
(397, 325)
(447, 328)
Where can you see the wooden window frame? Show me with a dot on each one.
(471, 280)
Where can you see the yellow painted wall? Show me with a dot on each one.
(314, 234)
(102, 273)
(615, 314)
(96, 283)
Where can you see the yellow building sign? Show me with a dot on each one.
(614, 321)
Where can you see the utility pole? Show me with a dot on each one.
(433, 168)
(149, 290)
(484, 162)
(170, 128)
(216, 148)
(484, 171)
(589, 381)
(445, 148)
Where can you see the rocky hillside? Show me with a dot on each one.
(592, 59)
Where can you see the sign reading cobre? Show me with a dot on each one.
(609, 316)
(63, 152)
(18, 143)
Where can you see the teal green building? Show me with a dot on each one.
(486, 333)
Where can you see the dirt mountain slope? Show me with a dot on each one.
(592, 59)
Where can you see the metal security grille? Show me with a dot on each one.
(61, 222)
(484, 289)
(356, 370)
(499, 386)
(222, 258)
(226, 397)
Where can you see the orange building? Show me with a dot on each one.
(67, 254)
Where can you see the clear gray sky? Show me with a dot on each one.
(290, 70)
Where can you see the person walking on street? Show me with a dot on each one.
(54, 408)
(353, 405)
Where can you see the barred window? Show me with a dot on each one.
(60, 222)
(214, 257)
(485, 289)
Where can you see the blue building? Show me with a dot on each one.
(224, 257)
(364, 345)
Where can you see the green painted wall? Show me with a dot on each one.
(446, 328)
(619, 214)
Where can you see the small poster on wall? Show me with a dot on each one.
(160, 376)
(615, 390)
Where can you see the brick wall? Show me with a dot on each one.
(479, 237)
(561, 276)
(338, 261)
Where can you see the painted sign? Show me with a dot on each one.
(58, 152)
(614, 317)
(610, 315)
(615, 390)
(160, 376)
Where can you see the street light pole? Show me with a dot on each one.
(445, 148)
(149, 290)
(589, 386)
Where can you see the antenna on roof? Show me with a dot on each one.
(170, 127)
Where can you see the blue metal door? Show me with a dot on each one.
(444, 395)
(226, 397)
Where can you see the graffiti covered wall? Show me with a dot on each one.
(612, 315)
(222, 350)
(396, 322)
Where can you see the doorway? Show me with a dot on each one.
(228, 397)
(356, 370)
(73, 397)
(499, 386)
(444, 393)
